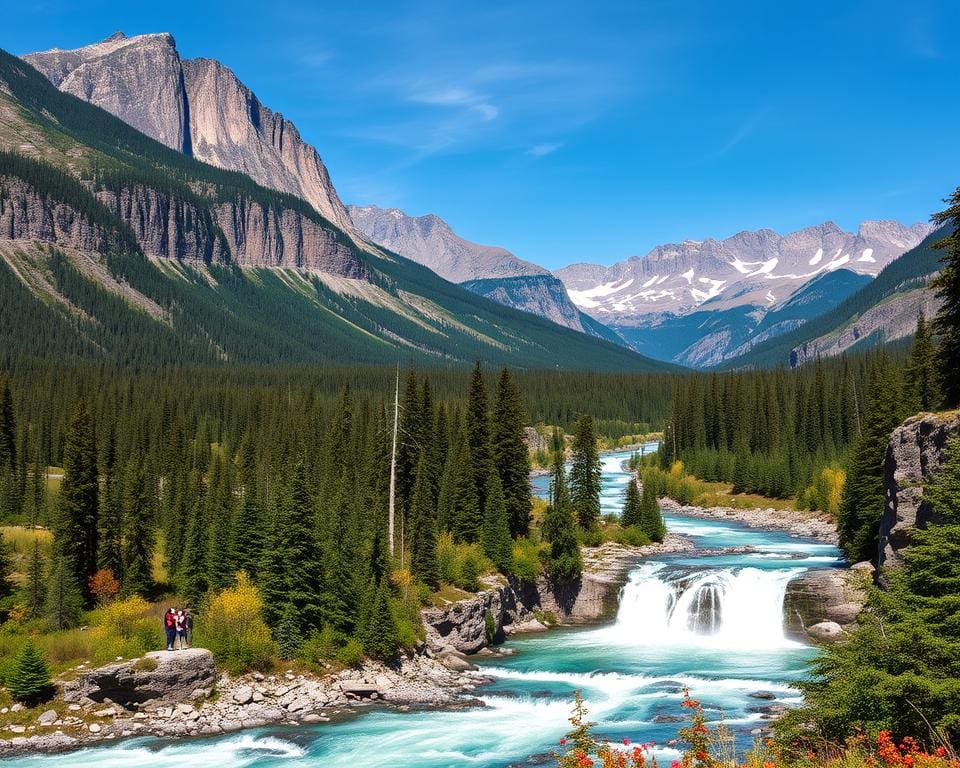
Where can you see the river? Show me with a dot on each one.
(712, 624)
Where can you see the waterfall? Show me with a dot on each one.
(722, 608)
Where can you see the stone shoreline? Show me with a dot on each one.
(249, 701)
(795, 522)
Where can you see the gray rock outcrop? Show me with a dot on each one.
(198, 107)
(824, 595)
(161, 676)
(914, 456)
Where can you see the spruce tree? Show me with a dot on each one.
(289, 634)
(379, 634)
(35, 587)
(111, 512)
(423, 533)
(221, 566)
(862, 505)
(192, 569)
(465, 510)
(585, 474)
(495, 536)
(947, 284)
(29, 679)
(138, 529)
(304, 557)
(64, 598)
(651, 521)
(478, 434)
(921, 375)
(631, 514)
(76, 534)
(510, 454)
(248, 533)
(559, 528)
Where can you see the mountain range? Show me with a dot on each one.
(701, 303)
(115, 246)
(698, 303)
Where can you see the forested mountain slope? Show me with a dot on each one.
(117, 247)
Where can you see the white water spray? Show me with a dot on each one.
(734, 608)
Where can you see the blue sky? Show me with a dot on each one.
(588, 131)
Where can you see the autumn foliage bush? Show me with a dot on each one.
(711, 747)
(231, 625)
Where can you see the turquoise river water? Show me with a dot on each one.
(712, 624)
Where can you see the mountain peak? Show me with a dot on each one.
(198, 107)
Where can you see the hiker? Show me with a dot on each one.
(181, 631)
(188, 626)
(170, 627)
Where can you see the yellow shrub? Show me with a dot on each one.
(676, 469)
(231, 625)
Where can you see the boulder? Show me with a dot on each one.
(826, 632)
(243, 694)
(161, 676)
(835, 595)
(48, 718)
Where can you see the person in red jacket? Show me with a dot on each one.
(170, 627)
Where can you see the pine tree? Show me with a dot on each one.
(138, 530)
(510, 454)
(585, 474)
(651, 521)
(379, 634)
(631, 514)
(76, 534)
(495, 536)
(303, 555)
(478, 434)
(947, 283)
(921, 375)
(35, 587)
(559, 528)
(863, 495)
(29, 679)
(423, 533)
(64, 598)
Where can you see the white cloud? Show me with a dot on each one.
(539, 150)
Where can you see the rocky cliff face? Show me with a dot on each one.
(915, 455)
(239, 231)
(26, 215)
(197, 107)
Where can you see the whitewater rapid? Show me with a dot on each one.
(712, 625)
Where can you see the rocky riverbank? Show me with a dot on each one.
(147, 697)
(796, 522)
